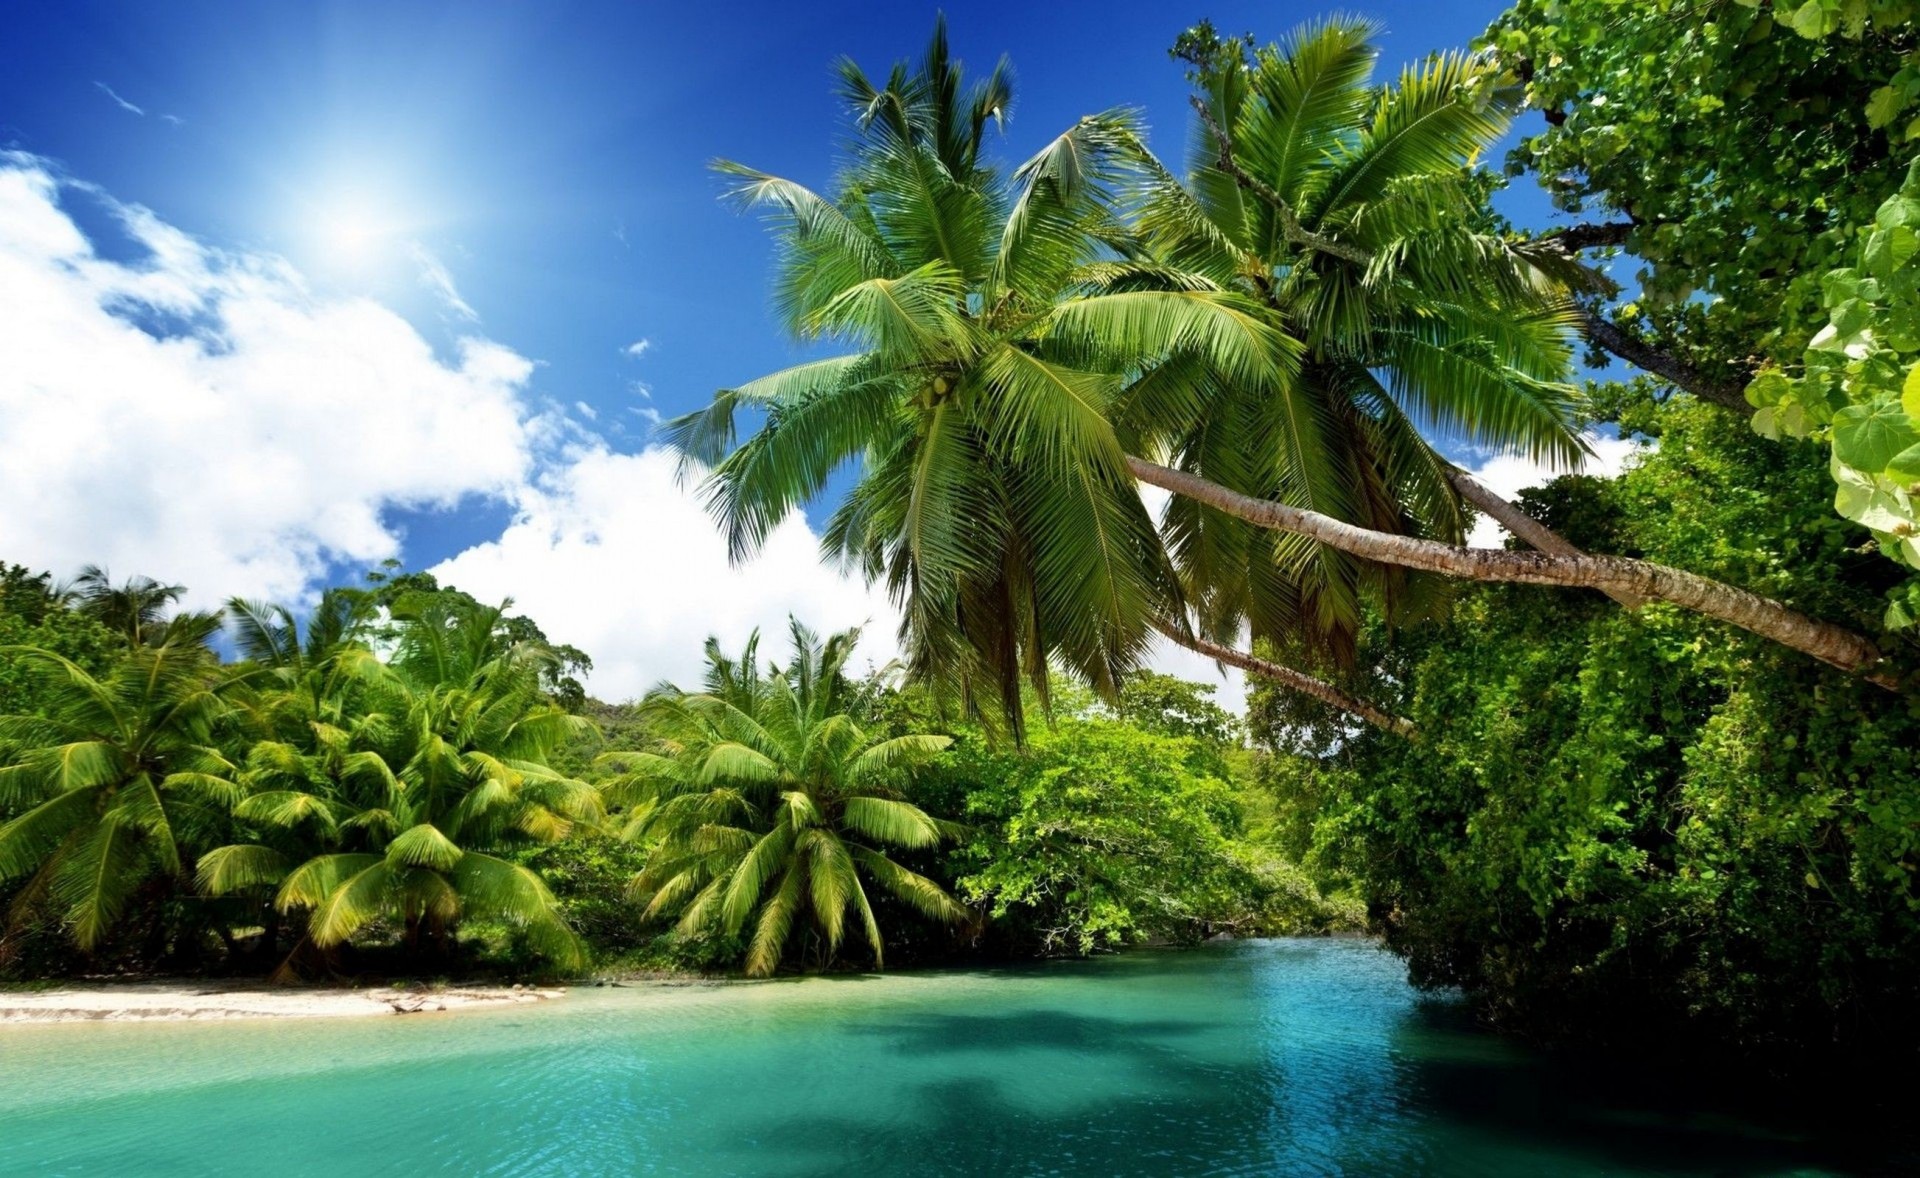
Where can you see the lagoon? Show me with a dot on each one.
(1256, 1057)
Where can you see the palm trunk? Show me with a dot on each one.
(1507, 515)
(1298, 681)
(1833, 645)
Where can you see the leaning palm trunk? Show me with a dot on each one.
(1289, 678)
(1833, 645)
(1509, 516)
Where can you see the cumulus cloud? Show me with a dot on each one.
(203, 417)
(609, 552)
(637, 348)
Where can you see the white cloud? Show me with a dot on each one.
(587, 411)
(637, 348)
(612, 554)
(251, 434)
(1507, 475)
(122, 103)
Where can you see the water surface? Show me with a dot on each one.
(1262, 1057)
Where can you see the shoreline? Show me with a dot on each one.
(200, 1001)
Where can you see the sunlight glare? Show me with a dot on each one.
(354, 236)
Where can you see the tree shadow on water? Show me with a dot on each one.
(932, 1033)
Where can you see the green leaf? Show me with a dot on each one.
(1889, 249)
(1814, 20)
(1885, 104)
(1768, 388)
(1867, 438)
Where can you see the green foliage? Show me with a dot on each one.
(1166, 706)
(1859, 386)
(1101, 836)
(1120, 824)
(411, 786)
(1744, 156)
(1625, 825)
(32, 614)
(115, 781)
(1815, 20)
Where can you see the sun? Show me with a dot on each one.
(354, 236)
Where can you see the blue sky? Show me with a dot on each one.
(528, 175)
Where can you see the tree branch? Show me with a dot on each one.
(1834, 645)
(1298, 681)
(1575, 238)
(1611, 337)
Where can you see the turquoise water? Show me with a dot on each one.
(1265, 1057)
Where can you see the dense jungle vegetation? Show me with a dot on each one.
(400, 786)
(1646, 774)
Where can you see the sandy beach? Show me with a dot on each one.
(195, 1001)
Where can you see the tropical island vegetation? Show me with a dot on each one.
(1646, 774)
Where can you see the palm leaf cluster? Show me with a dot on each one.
(769, 806)
(993, 496)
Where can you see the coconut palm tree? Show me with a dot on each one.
(408, 804)
(993, 495)
(770, 805)
(1351, 216)
(119, 782)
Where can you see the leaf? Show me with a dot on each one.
(1889, 249)
(1904, 467)
(1885, 104)
(1867, 438)
(1910, 393)
(1814, 20)
(1768, 388)
(423, 846)
(224, 870)
(1871, 506)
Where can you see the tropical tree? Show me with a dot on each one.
(119, 778)
(409, 804)
(993, 496)
(136, 609)
(1293, 139)
(770, 804)
(1348, 215)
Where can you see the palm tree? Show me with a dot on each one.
(136, 608)
(120, 780)
(1021, 351)
(408, 803)
(993, 494)
(771, 803)
(1351, 216)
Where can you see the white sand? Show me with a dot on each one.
(178, 1001)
